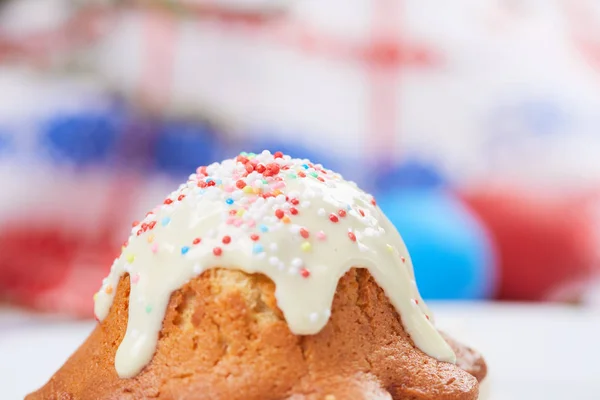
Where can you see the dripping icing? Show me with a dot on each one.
(299, 224)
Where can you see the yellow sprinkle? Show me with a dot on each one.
(257, 190)
(247, 189)
(390, 248)
(122, 248)
(306, 246)
(150, 238)
(285, 220)
(95, 296)
(240, 212)
(108, 289)
(130, 258)
(276, 192)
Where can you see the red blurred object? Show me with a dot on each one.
(51, 269)
(545, 246)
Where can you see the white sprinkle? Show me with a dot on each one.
(297, 262)
(305, 204)
(237, 194)
(295, 229)
(273, 246)
(314, 317)
(281, 266)
(294, 194)
(370, 231)
(362, 247)
(168, 247)
(273, 261)
(327, 313)
(321, 212)
(280, 199)
(261, 255)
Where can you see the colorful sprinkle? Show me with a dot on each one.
(185, 249)
(304, 272)
(333, 218)
(130, 258)
(306, 246)
(197, 240)
(321, 235)
(304, 233)
(217, 251)
(226, 239)
(279, 213)
(254, 237)
(342, 213)
(148, 309)
(257, 248)
(352, 236)
(168, 201)
(165, 221)
(229, 201)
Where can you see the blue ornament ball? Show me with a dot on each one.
(452, 252)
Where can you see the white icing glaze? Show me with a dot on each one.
(304, 244)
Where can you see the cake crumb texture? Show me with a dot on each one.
(224, 338)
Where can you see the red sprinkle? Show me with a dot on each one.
(295, 202)
(249, 167)
(168, 201)
(126, 243)
(416, 301)
(181, 197)
(278, 154)
(304, 233)
(211, 183)
(140, 232)
(260, 168)
(201, 184)
(240, 184)
(242, 159)
(217, 251)
(427, 316)
(320, 179)
(135, 223)
(232, 212)
(226, 239)
(403, 259)
(352, 236)
(254, 237)
(272, 169)
(301, 174)
(279, 213)
(293, 211)
(305, 273)
(342, 213)
(373, 201)
(152, 224)
(333, 218)
(362, 213)
(197, 240)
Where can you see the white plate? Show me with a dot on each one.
(533, 352)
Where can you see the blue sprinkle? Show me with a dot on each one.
(218, 181)
(263, 228)
(305, 166)
(185, 249)
(165, 221)
(348, 207)
(208, 179)
(257, 248)
(229, 201)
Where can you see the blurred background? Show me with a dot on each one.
(475, 124)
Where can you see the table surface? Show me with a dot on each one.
(533, 351)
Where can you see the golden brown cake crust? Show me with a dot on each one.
(224, 338)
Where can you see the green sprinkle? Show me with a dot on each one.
(148, 309)
(292, 176)
(264, 181)
(313, 174)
